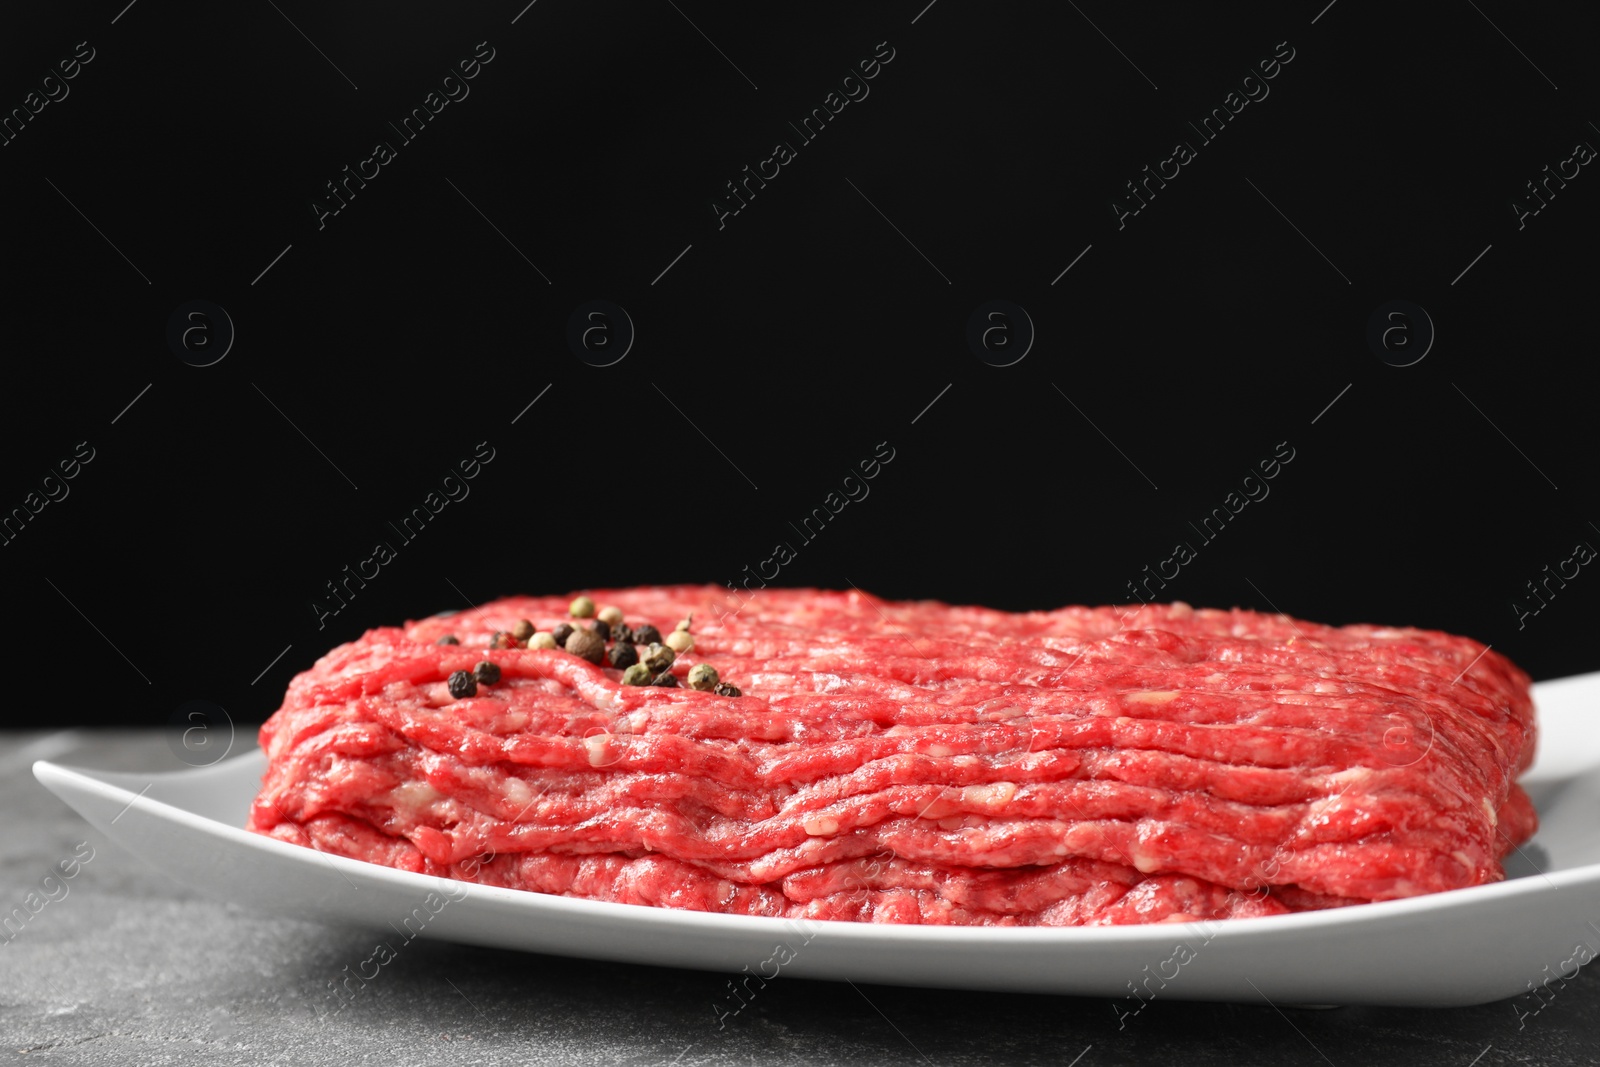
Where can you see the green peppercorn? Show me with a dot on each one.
(723, 689)
(522, 629)
(581, 608)
(586, 645)
(703, 676)
(680, 641)
(623, 655)
(600, 627)
(542, 639)
(610, 616)
(462, 685)
(646, 635)
(448, 639)
(637, 674)
(562, 632)
(658, 658)
(666, 679)
(486, 672)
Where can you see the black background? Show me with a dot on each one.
(823, 319)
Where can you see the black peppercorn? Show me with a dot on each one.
(723, 689)
(486, 672)
(601, 628)
(646, 635)
(620, 632)
(623, 655)
(462, 685)
(561, 633)
(448, 639)
(665, 679)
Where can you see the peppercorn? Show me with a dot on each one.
(586, 645)
(703, 676)
(562, 632)
(448, 639)
(610, 615)
(658, 658)
(637, 674)
(623, 655)
(723, 689)
(646, 635)
(462, 685)
(684, 624)
(486, 672)
(680, 641)
(620, 632)
(600, 627)
(522, 629)
(501, 639)
(581, 608)
(666, 679)
(542, 639)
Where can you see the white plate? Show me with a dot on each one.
(1467, 946)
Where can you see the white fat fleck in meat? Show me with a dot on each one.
(991, 797)
(1153, 696)
(827, 683)
(1008, 712)
(1146, 863)
(1488, 809)
(821, 826)
(1345, 785)
(517, 791)
(597, 749)
(414, 798)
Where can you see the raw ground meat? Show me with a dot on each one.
(915, 762)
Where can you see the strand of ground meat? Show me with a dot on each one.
(1222, 763)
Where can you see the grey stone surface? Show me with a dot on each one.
(131, 967)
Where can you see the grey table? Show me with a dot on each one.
(131, 967)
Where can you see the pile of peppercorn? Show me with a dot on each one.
(653, 667)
